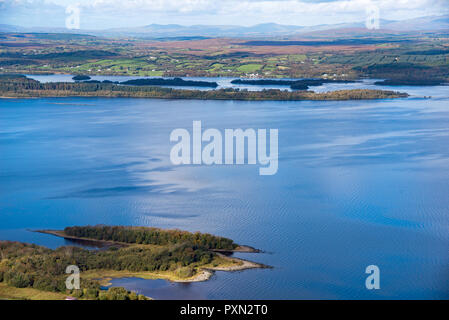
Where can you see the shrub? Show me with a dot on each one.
(185, 272)
(18, 280)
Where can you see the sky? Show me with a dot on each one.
(105, 14)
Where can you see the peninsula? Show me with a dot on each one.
(143, 252)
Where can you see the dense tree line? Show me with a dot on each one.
(155, 236)
(26, 265)
(410, 82)
(399, 73)
(30, 266)
(306, 83)
(24, 87)
(303, 84)
(169, 82)
(80, 77)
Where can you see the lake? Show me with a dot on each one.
(359, 183)
(225, 82)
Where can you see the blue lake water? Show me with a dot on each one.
(225, 82)
(359, 183)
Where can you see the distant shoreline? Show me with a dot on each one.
(19, 86)
(221, 95)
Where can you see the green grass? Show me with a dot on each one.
(134, 59)
(171, 275)
(298, 57)
(252, 67)
(216, 67)
(12, 293)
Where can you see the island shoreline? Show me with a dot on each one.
(203, 273)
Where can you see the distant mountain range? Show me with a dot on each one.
(175, 31)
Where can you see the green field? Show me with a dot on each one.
(78, 54)
(248, 68)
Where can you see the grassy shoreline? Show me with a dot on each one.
(12, 293)
(203, 273)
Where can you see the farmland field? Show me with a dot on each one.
(310, 58)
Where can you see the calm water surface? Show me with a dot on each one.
(359, 183)
(223, 82)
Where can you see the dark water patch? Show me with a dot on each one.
(172, 215)
(115, 191)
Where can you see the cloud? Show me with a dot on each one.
(120, 13)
